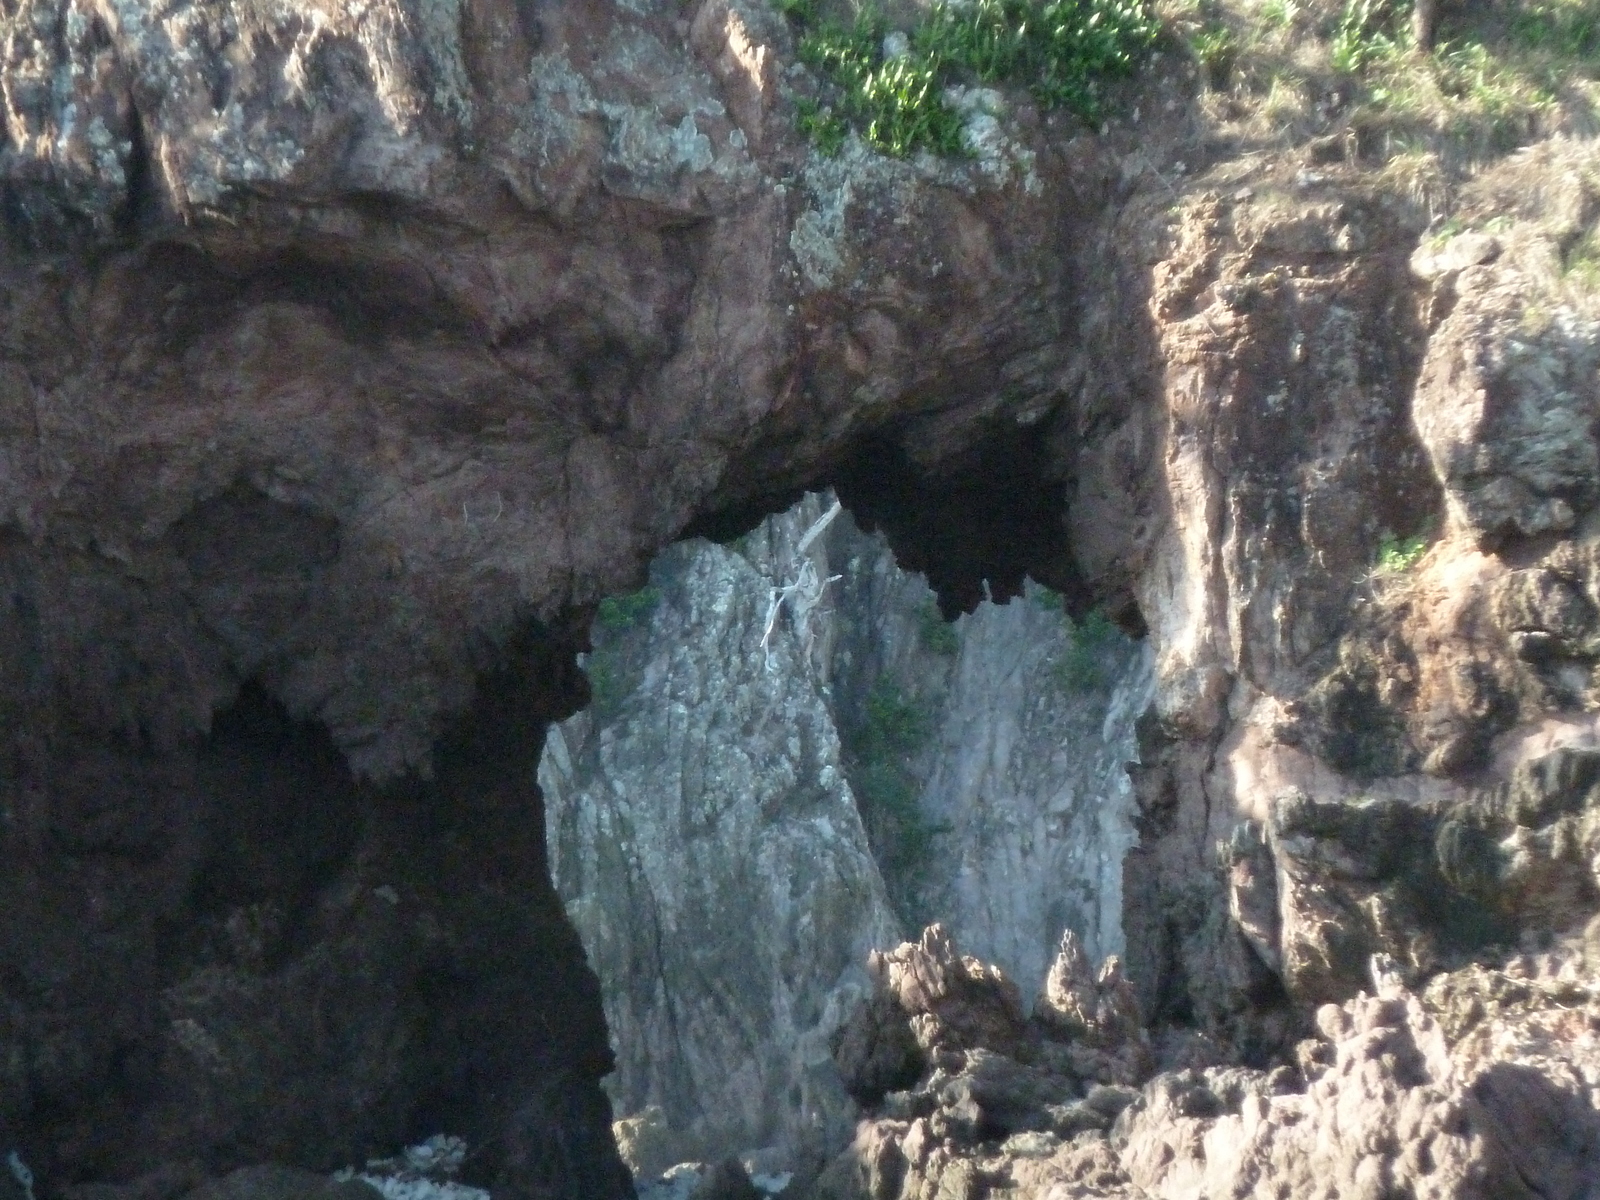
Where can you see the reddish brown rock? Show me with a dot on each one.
(952, 1001)
(344, 365)
(347, 361)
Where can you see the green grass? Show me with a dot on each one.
(896, 105)
(1278, 14)
(1062, 51)
(826, 130)
(1455, 226)
(1500, 75)
(938, 635)
(1369, 32)
(1215, 48)
(1559, 27)
(1493, 76)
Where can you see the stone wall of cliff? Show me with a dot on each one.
(351, 353)
(347, 359)
(705, 838)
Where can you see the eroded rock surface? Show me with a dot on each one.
(1484, 1085)
(706, 841)
(350, 354)
(347, 356)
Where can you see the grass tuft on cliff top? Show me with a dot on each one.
(894, 95)
(1348, 73)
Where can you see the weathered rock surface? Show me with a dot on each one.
(346, 357)
(724, 885)
(282, 1183)
(350, 354)
(1028, 729)
(1482, 1086)
(706, 841)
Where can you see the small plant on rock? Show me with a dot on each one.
(891, 731)
(625, 612)
(1082, 667)
(1397, 555)
(610, 682)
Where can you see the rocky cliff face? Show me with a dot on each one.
(1012, 729)
(353, 355)
(706, 841)
(705, 815)
(350, 354)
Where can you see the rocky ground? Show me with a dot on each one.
(1486, 1083)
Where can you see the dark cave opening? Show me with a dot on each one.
(976, 524)
(280, 816)
(332, 969)
(975, 528)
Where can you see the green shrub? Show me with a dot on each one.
(607, 688)
(938, 635)
(607, 666)
(894, 725)
(1082, 667)
(1567, 28)
(617, 613)
(1060, 50)
(891, 730)
(1053, 601)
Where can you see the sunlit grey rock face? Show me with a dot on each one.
(1029, 770)
(791, 759)
(1023, 728)
(706, 841)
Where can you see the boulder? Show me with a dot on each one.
(964, 1003)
